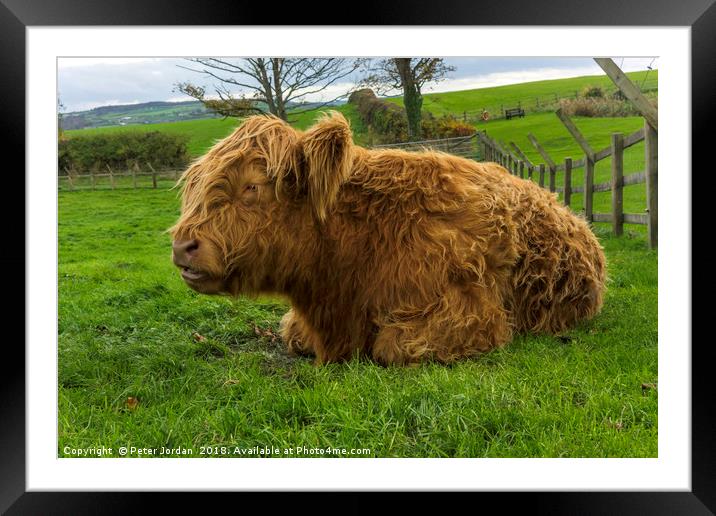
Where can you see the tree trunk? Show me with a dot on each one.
(266, 85)
(412, 98)
(278, 88)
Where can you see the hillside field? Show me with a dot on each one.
(526, 93)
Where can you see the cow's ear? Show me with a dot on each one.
(327, 156)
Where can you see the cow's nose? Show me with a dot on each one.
(184, 250)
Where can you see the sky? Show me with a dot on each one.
(85, 83)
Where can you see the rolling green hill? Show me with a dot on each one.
(530, 95)
(136, 114)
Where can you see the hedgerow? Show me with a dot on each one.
(121, 151)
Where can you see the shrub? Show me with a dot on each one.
(451, 127)
(387, 122)
(601, 107)
(121, 151)
(618, 95)
(592, 92)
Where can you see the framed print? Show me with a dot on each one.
(129, 381)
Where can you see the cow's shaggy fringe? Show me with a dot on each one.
(398, 256)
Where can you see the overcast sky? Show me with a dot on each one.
(85, 83)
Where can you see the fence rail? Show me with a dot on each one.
(117, 178)
(516, 163)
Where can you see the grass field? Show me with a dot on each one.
(526, 93)
(146, 362)
(127, 325)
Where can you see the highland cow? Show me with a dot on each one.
(398, 256)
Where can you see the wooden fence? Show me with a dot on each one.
(116, 178)
(515, 161)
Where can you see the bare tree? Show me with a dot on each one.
(272, 84)
(408, 74)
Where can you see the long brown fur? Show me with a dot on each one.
(399, 256)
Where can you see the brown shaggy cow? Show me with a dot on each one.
(393, 255)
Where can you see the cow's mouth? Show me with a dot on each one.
(201, 281)
(193, 275)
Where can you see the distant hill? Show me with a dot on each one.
(132, 114)
(146, 113)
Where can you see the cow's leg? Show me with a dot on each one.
(458, 325)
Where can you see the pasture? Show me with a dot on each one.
(525, 94)
(146, 362)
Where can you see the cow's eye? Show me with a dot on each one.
(252, 188)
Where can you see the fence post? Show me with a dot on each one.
(541, 175)
(552, 175)
(111, 176)
(588, 187)
(651, 155)
(618, 183)
(154, 176)
(522, 169)
(530, 170)
(92, 178)
(567, 181)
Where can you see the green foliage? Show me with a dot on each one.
(122, 151)
(201, 134)
(386, 119)
(446, 126)
(389, 123)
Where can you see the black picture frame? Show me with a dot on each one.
(16, 15)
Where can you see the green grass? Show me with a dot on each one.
(472, 101)
(126, 322)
